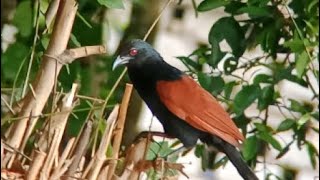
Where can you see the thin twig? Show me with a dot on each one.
(156, 20)
(26, 82)
(7, 104)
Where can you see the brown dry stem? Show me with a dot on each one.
(119, 129)
(62, 161)
(45, 78)
(36, 165)
(80, 148)
(100, 156)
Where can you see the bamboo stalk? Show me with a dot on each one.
(100, 157)
(45, 78)
(80, 149)
(103, 173)
(119, 129)
(62, 160)
(36, 165)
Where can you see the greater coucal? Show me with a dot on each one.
(184, 108)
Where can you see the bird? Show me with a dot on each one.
(186, 110)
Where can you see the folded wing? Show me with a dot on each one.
(191, 103)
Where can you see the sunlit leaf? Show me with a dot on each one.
(303, 119)
(301, 63)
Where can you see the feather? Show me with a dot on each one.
(190, 102)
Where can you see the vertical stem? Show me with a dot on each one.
(119, 129)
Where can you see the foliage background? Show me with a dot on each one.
(285, 31)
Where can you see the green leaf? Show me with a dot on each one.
(286, 125)
(228, 88)
(312, 4)
(45, 39)
(221, 162)
(158, 149)
(312, 152)
(216, 54)
(23, 18)
(245, 98)
(258, 2)
(109, 151)
(250, 148)
(230, 65)
(315, 115)
(114, 4)
(207, 5)
(211, 83)
(233, 7)
(263, 128)
(303, 120)
(262, 78)
(266, 97)
(229, 29)
(296, 45)
(255, 12)
(205, 81)
(189, 62)
(200, 148)
(301, 63)
(284, 150)
(202, 153)
(296, 106)
(267, 137)
(281, 72)
(12, 59)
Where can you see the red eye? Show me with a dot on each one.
(133, 52)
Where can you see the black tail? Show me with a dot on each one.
(234, 156)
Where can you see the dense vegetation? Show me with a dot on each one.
(286, 31)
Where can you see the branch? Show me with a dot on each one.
(36, 165)
(45, 79)
(69, 55)
(119, 129)
(80, 148)
(100, 157)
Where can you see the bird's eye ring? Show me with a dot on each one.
(133, 52)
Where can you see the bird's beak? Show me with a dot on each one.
(120, 61)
